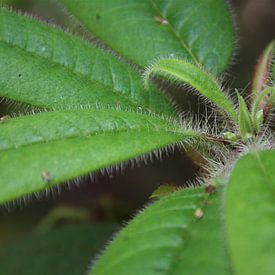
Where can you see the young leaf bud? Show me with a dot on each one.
(230, 136)
(245, 120)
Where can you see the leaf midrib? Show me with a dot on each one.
(91, 134)
(111, 89)
(185, 237)
(175, 33)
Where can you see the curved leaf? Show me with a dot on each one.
(45, 67)
(41, 150)
(250, 214)
(263, 71)
(245, 119)
(267, 92)
(147, 29)
(167, 238)
(186, 72)
(52, 253)
(262, 106)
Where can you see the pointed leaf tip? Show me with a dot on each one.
(185, 72)
(263, 71)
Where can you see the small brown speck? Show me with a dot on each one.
(198, 214)
(45, 175)
(4, 119)
(210, 189)
(161, 20)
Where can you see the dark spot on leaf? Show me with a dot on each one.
(98, 17)
(19, 75)
(126, 238)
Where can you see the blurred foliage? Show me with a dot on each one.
(52, 253)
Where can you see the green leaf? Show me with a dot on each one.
(245, 121)
(147, 29)
(262, 104)
(61, 251)
(167, 238)
(230, 136)
(185, 72)
(273, 70)
(45, 67)
(250, 214)
(41, 150)
(263, 71)
(163, 190)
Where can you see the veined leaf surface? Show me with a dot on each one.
(46, 67)
(168, 238)
(148, 29)
(41, 150)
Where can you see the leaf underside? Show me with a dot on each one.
(71, 143)
(147, 29)
(185, 72)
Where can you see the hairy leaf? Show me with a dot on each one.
(263, 71)
(183, 71)
(147, 29)
(45, 67)
(52, 253)
(44, 149)
(250, 214)
(267, 92)
(163, 190)
(262, 105)
(170, 238)
(273, 70)
(245, 121)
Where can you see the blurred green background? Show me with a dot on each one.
(34, 233)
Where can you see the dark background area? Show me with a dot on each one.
(115, 198)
